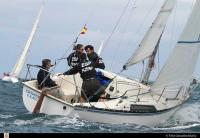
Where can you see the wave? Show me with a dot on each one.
(179, 127)
(188, 116)
(6, 116)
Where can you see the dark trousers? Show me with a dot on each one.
(92, 89)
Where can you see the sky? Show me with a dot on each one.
(62, 20)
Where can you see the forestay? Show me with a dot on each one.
(178, 70)
(151, 38)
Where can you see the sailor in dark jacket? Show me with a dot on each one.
(91, 86)
(43, 76)
(75, 58)
(93, 56)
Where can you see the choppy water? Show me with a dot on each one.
(14, 118)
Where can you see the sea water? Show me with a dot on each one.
(14, 118)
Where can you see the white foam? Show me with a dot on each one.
(57, 120)
(104, 129)
(178, 127)
(188, 113)
(74, 122)
(20, 122)
(1, 124)
(6, 116)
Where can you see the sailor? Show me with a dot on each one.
(75, 58)
(6, 74)
(43, 76)
(90, 86)
(93, 56)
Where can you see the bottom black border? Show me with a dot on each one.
(102, 135)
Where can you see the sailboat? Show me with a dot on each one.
(14, 74)
(130, 100)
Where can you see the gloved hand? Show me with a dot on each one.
(124, 67)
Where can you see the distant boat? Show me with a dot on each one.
(14, 75)
(129, 100)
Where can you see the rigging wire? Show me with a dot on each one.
(116, 25)
(124, 30)
(57, 61)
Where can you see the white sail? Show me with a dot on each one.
(20, 63)
(151, 38)
(179, 68)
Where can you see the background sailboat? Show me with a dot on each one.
(14, 74)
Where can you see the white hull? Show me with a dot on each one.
(50, 104)
(115, 111)
(119, 114)
(10, 79)
(114, 117)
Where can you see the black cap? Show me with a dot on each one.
(89, 46)
(78, 46)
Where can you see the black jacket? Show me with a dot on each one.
(96, 59)
(74, 58)
(86, 70)
(48, 81)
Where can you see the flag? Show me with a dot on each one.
(84, 30)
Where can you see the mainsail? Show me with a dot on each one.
(151, 38)
(178, 70)
(20, 63)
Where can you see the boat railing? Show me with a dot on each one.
(174, 98)
(138, 89)
(169, 89)
(29, 66)
(28, 74)
(161, 94)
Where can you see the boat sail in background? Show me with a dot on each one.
(13, 76)
(132, 101)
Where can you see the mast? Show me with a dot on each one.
(150, 64)
(20, 63)
(100, 48)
